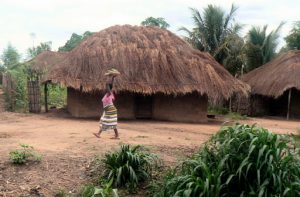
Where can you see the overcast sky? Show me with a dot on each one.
(56, 20)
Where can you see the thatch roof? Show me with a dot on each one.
(46, 60)
(150, 60)
(277, 76)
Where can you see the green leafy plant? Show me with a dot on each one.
(22, 156)
(105, 191)
(239, 160)
(129, 166)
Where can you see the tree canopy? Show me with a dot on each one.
(34, 51)
(215, 32)
(293, 39)
(74, 41)
(158, 22)
(260, 47)
(10, 56)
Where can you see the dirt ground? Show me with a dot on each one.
(67, 146)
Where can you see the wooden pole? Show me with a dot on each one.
(46, 96)
(289, 103)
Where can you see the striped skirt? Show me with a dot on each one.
(109, 118)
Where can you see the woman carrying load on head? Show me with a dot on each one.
(109, 118)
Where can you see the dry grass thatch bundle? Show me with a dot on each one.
(150, 60)
(277, 76)
(46, 60)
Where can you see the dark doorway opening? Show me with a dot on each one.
(143, 107)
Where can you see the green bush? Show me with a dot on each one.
(93, 191)
(57, 96)
(241, 160)
(19, 74)
(129, 166)
(22, 156)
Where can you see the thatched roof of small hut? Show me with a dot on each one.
(150, 59)
(44, 61)
(277, 76)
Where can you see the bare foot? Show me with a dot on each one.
(115, 138)
(97, 135)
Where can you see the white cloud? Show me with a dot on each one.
(56, 20)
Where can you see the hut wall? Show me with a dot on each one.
(188, 108)
(89, 105)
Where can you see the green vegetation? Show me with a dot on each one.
(34, 51)
(129, 166)
(22, 156)
(240, 160)
(19, 75)
(57, 96)
(10, 56)
(93, 191)
(74, 41)
(215, 32)
(260, 47)
(293, 39)
(157, 22)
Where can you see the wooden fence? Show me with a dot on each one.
(9, 88)
(34, 96)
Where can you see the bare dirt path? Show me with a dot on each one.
(67, 145)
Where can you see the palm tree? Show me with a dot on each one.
(260, 47)
(212, 28)
(214, 32)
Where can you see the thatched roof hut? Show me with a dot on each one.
(44, 61)
(277, 76)
(278, 79)
(151, 61)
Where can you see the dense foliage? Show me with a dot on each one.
(293, 39)
(215, 32)
(130, 166)
(260, 47)
(241, 160)
(74, 41)
(157, 22)
(10, 56)
(43, 46)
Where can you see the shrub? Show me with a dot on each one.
(241, 160)
(22, 156)
(129, 166)
(93, 191)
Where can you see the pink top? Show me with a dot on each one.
(108, 99)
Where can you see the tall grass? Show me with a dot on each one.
(129, 166)
(239, 160)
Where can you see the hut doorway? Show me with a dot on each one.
(143, 107)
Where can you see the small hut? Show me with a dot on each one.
(162, 77)
(39, 68)
(44, 61)
(275, 86)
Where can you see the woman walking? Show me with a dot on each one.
(109, 118)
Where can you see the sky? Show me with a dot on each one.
(56, 20)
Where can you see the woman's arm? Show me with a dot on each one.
(112, 81)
